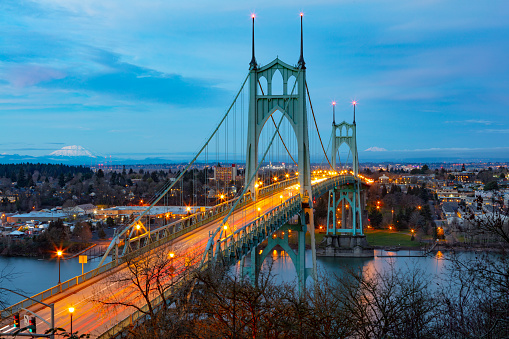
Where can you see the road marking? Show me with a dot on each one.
(8, 329)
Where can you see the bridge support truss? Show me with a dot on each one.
(293, 108)
(349, 196)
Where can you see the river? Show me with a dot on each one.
(32, 276)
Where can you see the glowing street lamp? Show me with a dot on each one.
(281, 197)
(171, 255)
(71, 311)
(59, 255)
(259, 209)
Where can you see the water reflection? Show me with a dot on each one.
(434, 264)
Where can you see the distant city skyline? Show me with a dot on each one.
(135, 80)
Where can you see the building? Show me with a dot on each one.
(464, 176)
(155, 211)
(42, 215)
(383, 179)
(225, 173)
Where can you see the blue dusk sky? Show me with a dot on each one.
(136, 79)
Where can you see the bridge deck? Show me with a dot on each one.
(88, 317)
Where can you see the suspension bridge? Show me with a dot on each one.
(267, 126)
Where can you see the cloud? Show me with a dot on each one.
(488, 130)
(472, 121)
(29, 75)
(133, 83)
(375, 149)
(451, 149)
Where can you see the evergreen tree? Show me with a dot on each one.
(61, 180)
(22, 180)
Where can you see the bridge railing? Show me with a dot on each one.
(241, 241)
(64, 286)
(247, 237)
(267, 190)
(140, 316)
(159, 237)
(201, 218)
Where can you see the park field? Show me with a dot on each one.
(390, 238)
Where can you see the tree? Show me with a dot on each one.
(150, 279)
(490, 186)
(61, 180)
(83, 232)
(375, 217)
(22, 180)
(101, 233)
(110, 222)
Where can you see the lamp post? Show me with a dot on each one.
(71, 310)
(171, 255)
(281, 198)
(59, 254)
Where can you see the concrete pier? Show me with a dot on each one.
(348, 246)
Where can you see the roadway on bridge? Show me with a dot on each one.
(90, 317)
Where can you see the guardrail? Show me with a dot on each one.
(186, 227)
(11, 310)
(234, 242)
(138, 317)
(201, 218)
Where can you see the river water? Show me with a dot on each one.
(32, 276)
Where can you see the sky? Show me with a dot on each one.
(144, 78)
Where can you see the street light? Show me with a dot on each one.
(71, 310)
(281, 197)
(59, 254)
(259, 209)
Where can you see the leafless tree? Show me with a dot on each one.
(151, 283)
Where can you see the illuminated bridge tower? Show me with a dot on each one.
(347, 233)
(292, 104)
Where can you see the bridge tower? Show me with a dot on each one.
(292, 104)
(348, 196)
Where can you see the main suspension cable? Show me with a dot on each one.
(316, 125)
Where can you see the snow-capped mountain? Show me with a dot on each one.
(73, 151)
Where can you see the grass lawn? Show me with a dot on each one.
(374, 237)
(390, 238)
